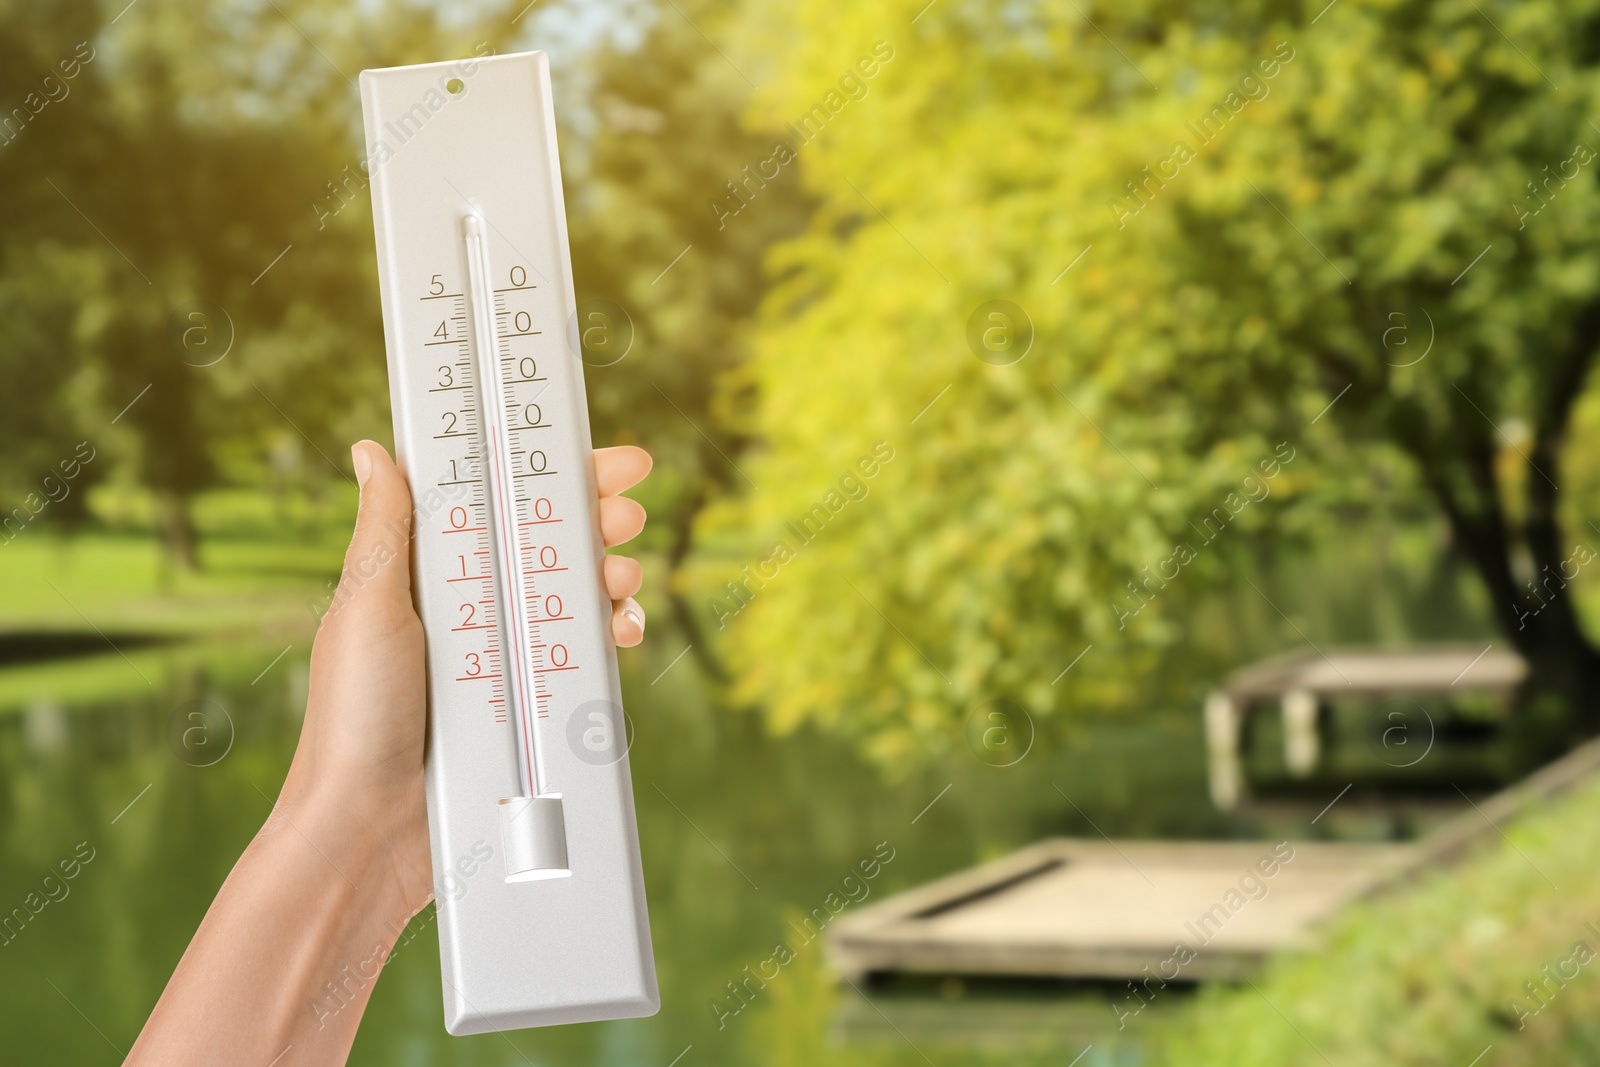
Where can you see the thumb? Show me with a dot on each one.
(379, 557)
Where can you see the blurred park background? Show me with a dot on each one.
(1173, 336)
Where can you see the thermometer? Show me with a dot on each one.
(541, 905)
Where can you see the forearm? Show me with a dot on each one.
(288, 953)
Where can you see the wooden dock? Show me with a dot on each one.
(1100, 909)
(1304, 683)
(1115, 910)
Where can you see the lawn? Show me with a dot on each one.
(124, 584)
(261, 564)
(115, 594)
(134, 616)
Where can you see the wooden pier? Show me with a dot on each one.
(1302, 684)
(1101, 909)
(1116, 910)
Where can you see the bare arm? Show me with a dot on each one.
(285, 960)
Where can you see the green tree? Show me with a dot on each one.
(648, 189)
(234, 144)
(194, 159)
(1219, 221)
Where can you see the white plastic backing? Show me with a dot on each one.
(541, 905)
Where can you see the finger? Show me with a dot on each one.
(624, 576)
(621, 519)
(379, 557)
(619, 469)
(627, 622)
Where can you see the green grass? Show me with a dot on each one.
(124, 583)
(265, 562)
(263, 555)
(1434, 974)
(251, 593)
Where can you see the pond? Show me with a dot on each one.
(741, 832)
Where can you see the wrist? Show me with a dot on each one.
(353, 841)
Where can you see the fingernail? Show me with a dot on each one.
(363, 463)
(634, 613)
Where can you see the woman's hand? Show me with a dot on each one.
(317, 900)
(360, 751)
(617, 470)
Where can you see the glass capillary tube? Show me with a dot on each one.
(509, 581)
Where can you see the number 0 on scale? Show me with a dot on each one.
(541, 901)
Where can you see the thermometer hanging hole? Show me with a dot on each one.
(455, 86)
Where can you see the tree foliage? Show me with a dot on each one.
(218, 158)
(183, 163)
(1218, 220)
(667, 141)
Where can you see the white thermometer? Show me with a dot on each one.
(541, 902)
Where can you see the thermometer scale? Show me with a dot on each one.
(541, 906)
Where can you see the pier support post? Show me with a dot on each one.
(1300, 743)
(1223, 728)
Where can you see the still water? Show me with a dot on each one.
(742, 833)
